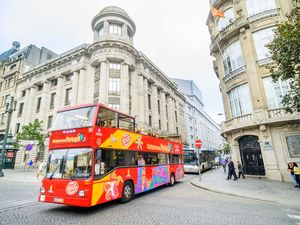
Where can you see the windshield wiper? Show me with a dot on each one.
(59, 165)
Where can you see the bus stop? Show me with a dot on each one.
(10, 152)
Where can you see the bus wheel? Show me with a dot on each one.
(127, 194)
(172, 180)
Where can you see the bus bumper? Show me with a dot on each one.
(79, 201)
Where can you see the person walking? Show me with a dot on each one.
(231, 170)
(297, 174)
(291, 170)
(224, 163)
(240, 169)
(40, 169)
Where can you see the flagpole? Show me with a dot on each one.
(210, 4)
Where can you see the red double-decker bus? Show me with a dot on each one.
(96, 156)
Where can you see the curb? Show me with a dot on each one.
(232, 194)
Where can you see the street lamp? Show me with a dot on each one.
(10, 107)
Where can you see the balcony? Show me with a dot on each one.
(235, 73)
(265, 61)
(259, 117)
(263, 15)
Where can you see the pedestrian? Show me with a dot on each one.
(240, 169)
(297, 174)
(224, 163)
(40, 169)
(291, 170)
(231, 170)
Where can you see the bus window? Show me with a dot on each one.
(107, 118)
(100, 167)
(151, 158)
(174, 159)
(162, 159)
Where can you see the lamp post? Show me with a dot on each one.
(10, 107)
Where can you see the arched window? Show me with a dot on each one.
(232, 58)
(259, 6)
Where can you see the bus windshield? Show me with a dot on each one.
(75, 118)
(70, 163)
(190, 158)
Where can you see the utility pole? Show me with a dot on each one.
(10, 107)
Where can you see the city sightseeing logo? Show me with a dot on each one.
(77, 139)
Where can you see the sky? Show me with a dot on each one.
(171, 33)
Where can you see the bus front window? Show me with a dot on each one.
(70, 163)
(75, 118)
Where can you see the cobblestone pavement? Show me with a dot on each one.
(180, 204)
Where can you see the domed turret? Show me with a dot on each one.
(113, 23)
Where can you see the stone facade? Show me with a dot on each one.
(260, 133)
(199, 125)
(110, 71)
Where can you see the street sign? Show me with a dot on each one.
(28, 142)
(198, 143)
(28, 147)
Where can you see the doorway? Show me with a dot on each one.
(252, 160)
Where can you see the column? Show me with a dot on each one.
(90, 84)
(103, 83)
(81, 87)
(163, 116)
(75, 88)
(96, 34)
(141, 108)
(124, 103)
(146, 109)
(59, 97)
(105, 27)
(171, 114)
(29, 102)
(134, 94)
(154, 107)
(44, 104)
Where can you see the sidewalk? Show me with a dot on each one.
(19, 175)
(253, 188)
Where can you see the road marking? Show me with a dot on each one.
(292, 216)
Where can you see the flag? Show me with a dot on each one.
(216, 12)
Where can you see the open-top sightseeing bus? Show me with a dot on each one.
(95, 157)
(207, 158)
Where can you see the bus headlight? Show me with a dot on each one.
(81, 193)
(42, 190)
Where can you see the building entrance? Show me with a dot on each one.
(251, 156)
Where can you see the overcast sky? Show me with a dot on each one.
(172, 33)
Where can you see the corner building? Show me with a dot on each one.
(110, 71)
(260, 133)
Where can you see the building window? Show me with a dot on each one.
(52, 101)
(17, 128)
(258, 6)
(148, 84)
(167, 126)
(114, 86)
(114, 106)
(4, 100)
(10, 82)
(38, 105)
(69, 77)
(115, 29)
(101, 31)
(176, 116)
(261, 39)
(1, 86)
(240, 101)
(39, 88)
(3, 118)
(191, 128)
(13, 66)
(20, 111)
(167, 111)
(177, 132)
(158, 106)
(23, 93)
(68, 96)
(159, 124)
(293, 143)
(232, 58)
(275, 92)
(149, 101)
(150, 121)
(228, 18)
(192, 137)
(53, 82)
(114, 66)
(49, 125)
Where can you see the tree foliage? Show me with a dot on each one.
(32, 131)
(285, 50)
(226, 148)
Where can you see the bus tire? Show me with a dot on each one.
(172, 180)
(127, 193)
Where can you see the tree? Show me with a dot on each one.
(32, 131)
(285, 50)
(226, 148)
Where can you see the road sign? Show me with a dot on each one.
(28, 147)
(28, 142)
(198, 143)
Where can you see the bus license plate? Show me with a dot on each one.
(59, 200)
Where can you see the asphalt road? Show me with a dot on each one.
(180, 204)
